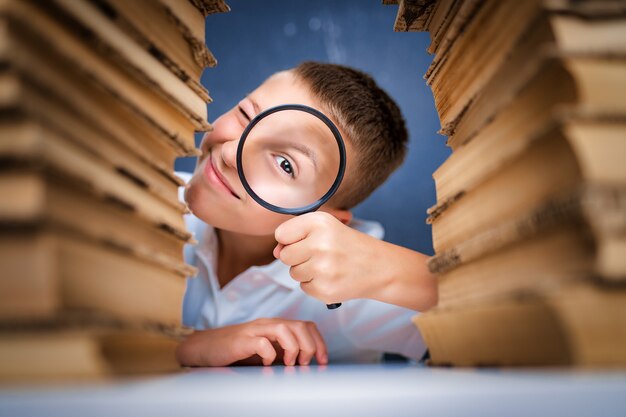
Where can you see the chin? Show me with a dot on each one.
(255, 222)
(223, 218)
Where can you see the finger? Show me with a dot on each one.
(277, 250)
(301, 273)
(321, 351)
(307, 344)
(312, 288)
(281, 333)
(263, 347)
(297, 228)
(296, 253)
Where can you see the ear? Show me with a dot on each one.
(344, 216)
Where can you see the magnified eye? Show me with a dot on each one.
(284, 165)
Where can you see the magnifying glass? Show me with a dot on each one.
(291, 159)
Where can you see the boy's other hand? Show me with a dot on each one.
(255, 342)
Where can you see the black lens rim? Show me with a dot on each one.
(340, 173)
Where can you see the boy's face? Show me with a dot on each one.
(215, 193)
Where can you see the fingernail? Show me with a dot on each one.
(324, 359)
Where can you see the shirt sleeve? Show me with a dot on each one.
(185, 176)
(374, 325)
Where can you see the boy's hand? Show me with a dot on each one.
(335, 263)
(332, 261)
(298, 341)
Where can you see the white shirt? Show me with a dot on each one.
(358, 331)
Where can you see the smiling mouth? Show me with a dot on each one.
(216, 177)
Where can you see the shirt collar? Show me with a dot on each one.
(277, 271)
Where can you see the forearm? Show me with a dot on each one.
(404, 278)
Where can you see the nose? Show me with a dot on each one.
(228, 153)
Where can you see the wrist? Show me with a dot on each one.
(406, 281)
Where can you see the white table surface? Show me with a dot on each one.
(336, 390)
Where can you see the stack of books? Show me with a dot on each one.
(97, 99)
(529, 228)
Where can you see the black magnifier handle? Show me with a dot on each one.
(333, 306)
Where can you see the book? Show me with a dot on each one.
(529, 228)
(59, 154)
(553, 97)
(475, 55)
(207, 7)
(164, 37)
(24, 101)
(189, 18)
(549, 39)
(555, 159)
(153, 107)
(412, 14)
(96, 29)
(594, 214)
(38, 196)
(85, 346)
(537, 263)
(97, 100)
(48, 271)
(579, 324)
(39, 86)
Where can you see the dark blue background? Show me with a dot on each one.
(257, 38)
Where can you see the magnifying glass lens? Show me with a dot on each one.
(290, 159)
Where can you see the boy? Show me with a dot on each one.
(250, 307)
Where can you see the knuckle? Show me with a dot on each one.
(322, 219)
(325, 266)
(326, 290)
(323, 247)
(262, 343)
(307, 289)
(310, 351)
(300, 325)
(295, 273)
(279, 233)
(281, 327)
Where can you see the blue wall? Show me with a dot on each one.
(258, 38)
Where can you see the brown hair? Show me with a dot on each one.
(369, 118)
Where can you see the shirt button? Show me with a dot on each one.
(231, 296)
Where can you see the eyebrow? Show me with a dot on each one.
(305, 150)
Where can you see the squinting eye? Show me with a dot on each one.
(284, 164)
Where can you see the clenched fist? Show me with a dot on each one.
(335, 263)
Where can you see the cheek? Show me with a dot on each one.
(247, 219)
